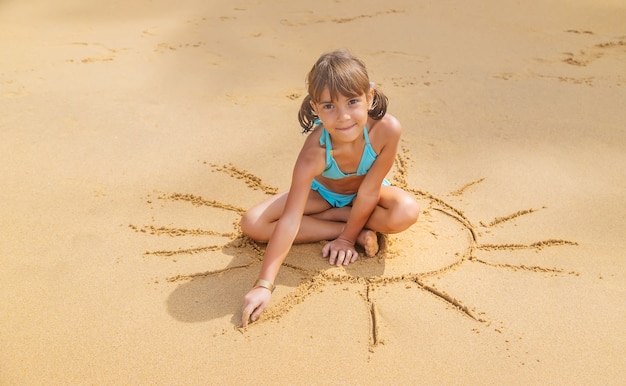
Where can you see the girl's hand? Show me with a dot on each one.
(254, 303)
(340, 251)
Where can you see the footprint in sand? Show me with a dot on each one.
(441, 241)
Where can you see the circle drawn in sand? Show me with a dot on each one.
(436, 243)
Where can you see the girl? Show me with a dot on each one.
(338, 189)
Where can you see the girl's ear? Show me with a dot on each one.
(370, 97)
(313, 107)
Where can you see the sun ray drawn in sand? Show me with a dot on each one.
(443, 239)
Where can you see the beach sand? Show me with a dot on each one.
(134, 134)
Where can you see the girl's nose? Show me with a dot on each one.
(343, 114)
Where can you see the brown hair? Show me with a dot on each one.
(343, 74)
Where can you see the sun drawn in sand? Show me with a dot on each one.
(443, 239)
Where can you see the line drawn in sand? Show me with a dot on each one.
(443, 239)
(583, 60)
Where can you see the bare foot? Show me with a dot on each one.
(369, 241)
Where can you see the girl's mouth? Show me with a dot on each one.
(344, 128)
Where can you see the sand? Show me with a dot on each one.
(134, 134)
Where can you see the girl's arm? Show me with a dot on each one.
(288, 224)
(285, 231)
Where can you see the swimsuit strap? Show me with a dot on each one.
(369, 155)
(325, 140)
(332, 169)
(366, 135)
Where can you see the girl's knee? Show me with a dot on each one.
(413, 212)
(251, 227)
(245, 224)
(413, 209)
(405, 215)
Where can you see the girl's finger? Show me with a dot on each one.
(333, 257)
(256, 314)
(340, 257)
(348, 257)
(325, 250)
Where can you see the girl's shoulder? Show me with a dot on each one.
(312, 154)
(386, 129)
(386, 123)
(313, 137)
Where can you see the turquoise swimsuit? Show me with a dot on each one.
(332, 171)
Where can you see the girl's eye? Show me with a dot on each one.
(327, 107)
(353, 101)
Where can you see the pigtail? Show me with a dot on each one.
(306, 115)
(379, 105)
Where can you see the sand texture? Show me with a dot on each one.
(135, 134)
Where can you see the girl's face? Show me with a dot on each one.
(344, 117)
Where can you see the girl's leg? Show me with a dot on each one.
(334, 214)
(259, 222)
(396, 211)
